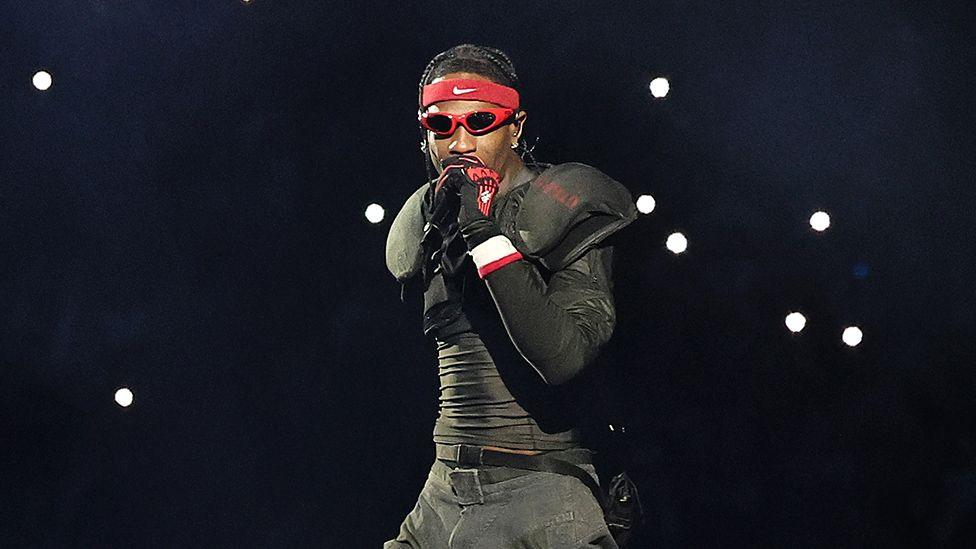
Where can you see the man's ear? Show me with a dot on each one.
(519, 123)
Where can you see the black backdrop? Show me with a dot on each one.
(182, 214)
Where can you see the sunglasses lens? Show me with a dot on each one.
(480, 121)
(439, 123)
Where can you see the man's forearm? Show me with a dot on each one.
(558, 334)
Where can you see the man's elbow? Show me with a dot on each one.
(563, 371)
(569, 360)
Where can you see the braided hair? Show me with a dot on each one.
(489, 62)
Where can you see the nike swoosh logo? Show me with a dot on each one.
(459, 91)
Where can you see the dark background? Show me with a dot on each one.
(182, 214)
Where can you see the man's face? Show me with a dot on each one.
(493, 148)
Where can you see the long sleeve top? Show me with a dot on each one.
(521, 334)
(557, 327)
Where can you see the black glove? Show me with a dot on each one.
(442, 205)
(442, 249)
(476, 186)
(473, 185)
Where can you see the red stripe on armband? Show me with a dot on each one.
(495, 265)
(493, 254)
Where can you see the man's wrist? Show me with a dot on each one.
(494, 253)
(477, 231)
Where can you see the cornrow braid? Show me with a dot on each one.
(489, 62)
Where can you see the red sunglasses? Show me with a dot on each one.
(477, 122)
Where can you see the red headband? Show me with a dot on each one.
(470, 90)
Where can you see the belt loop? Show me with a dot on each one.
(468, 455)
(466, 486)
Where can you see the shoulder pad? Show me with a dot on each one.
(568, 209)
(403, 254)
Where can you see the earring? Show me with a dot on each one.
(514, 145)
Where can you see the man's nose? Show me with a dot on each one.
(462, 142)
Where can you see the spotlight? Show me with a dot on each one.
(852, 336)
(796, 322)
(375, 213)
(660, 87)
(677, 243)
(646, 204)
(42, 80)
(820, 221)
(123, 397)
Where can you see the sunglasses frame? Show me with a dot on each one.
(502, 117)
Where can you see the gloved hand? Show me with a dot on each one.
(442, 205)
(475, 186)
(440, 232)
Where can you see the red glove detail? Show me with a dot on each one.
(474, 185)
(487, 180)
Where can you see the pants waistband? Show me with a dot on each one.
(488, 474)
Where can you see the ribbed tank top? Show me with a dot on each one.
(477, 407)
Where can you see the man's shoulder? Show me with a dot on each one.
(579, 180)
(569, 208)
(403, 255)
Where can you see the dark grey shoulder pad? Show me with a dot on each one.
(568, 209)
(403, 255)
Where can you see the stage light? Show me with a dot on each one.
(123, 397)
(42, 80)
(375, 213)
(796, 322)
(677, 243)
(820, 221)
(660, 87)
(646, 204)
(852, 336)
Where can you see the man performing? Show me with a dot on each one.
(515, 271)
